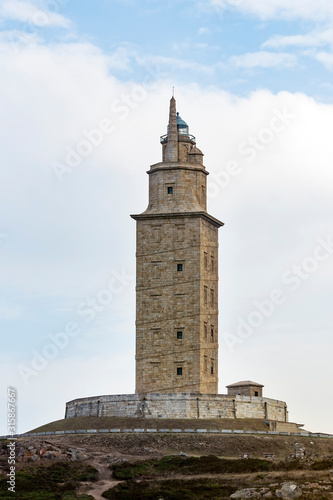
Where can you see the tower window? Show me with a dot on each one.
(212, 367)
(256, 393)
(205, 364)
(157, 234)
(180, 230)
(179, 370)
(205, 330)
(212, 297)
(205, 294)
(205, 260)
(212, 263)
(212, 334)
(179, 267)
(170, 190)
(203, 195)
(179, 335)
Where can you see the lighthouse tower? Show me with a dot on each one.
(177, 273)
(177, 304)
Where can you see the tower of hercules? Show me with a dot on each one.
(177, 273)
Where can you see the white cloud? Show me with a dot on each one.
(285, 9)
(32, 13)
(264, 59)
(326, 58)
(8, 312)
(120, 59)
(312, 39)
(203, 31)
(18, 38)
(172, 63)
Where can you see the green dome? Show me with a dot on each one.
(182, 126)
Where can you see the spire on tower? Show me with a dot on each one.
(171, 153)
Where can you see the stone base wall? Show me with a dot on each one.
(178, 405)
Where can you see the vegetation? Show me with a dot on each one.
(323, 464)
(59, 481)
(188, 466)
(199, 489)
(77, 423)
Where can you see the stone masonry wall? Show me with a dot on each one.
(177, 315)
(178, 405)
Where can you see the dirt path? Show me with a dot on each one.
(104, 477)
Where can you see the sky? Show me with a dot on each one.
(84, 96)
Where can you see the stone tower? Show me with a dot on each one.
(177, 273)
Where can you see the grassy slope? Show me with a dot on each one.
(150, 423)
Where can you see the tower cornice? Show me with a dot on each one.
(179, 166)
(205, 215)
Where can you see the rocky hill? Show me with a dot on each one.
(165, 466)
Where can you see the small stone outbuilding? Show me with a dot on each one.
(245, 388)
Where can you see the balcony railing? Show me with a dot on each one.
(187, 137)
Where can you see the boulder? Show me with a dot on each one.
(246, 493)
(289, 490)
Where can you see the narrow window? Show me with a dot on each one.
(212, 333)
(205, 330)
(170, 190)
(212, 297)
(179, 371)
(205, 260)
(180, 233)
(212, 263)
(212, 367)
(205, 295)
(155, 304)
(179, 335)
(203, 195)
(157, 234)
(256, 393)
(156, 271)
(205, 364)
(179, 267)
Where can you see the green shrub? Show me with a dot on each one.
(189, 466)
(323, 464)
(199, 489)
(59, 481)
